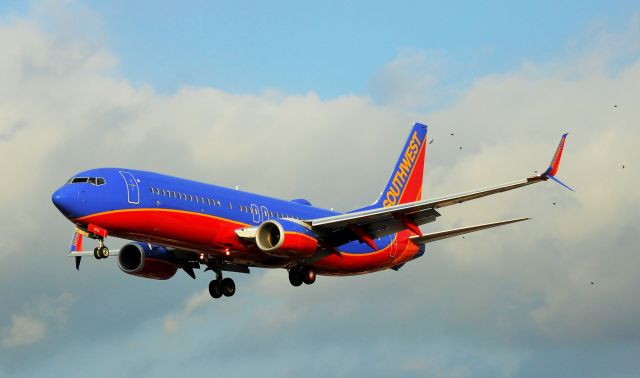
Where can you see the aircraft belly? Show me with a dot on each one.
(200, 233)
(346, 264)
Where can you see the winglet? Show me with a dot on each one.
(555, 163)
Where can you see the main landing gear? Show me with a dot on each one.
(301, 274)
(221, 286)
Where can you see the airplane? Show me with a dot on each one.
(175, 223)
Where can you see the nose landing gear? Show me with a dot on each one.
(101, 251)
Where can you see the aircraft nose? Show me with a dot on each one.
(64, 199)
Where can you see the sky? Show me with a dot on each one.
(299, 100)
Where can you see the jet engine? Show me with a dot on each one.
(146, 260)
(286, 238)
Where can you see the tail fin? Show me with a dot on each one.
(405, 183)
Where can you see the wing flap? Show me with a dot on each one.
(375, 226)
(434, 236)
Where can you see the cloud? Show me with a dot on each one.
(24, 330)
(413, 81)
(195, 302)
(32, 326)
(501, 299)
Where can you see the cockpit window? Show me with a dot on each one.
(90, 180)
(77, 180)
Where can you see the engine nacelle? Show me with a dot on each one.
(285, 238)
(143, 260)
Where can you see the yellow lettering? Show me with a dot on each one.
(395, 188)
(391, 198)
(401, 174)
(405, 167)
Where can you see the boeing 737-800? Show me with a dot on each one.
(174, 223)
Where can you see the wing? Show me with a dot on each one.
(373, 223)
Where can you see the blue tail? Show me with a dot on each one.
(405, 183)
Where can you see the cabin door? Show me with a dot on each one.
(133, 192)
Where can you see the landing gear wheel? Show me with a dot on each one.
(97, 253)
(228, 287)
(215, 289)
(104, 252)
(309, 276)
(295, 276)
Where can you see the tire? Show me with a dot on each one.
(295, 277)
(97, 254)
(228, 287)
(309, 276)
(104, 252)
(215, 290)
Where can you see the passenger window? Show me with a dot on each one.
(230, 207)
(218, 203)
(175, 194)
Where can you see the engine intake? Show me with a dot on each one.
(138, 259)
(285, 238)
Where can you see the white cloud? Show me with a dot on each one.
(32, 326)
(24, 330)
(172, 322)
(410, 81)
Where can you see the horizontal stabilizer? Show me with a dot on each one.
(428, 238)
